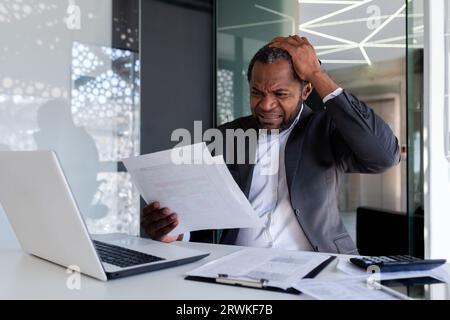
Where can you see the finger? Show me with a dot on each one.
(306, 40)
(291, 40)
(156, 215)
(152, 206)
(163, 232)
(160, 224)
(285, 46)
(148, 220)
(154, 226)
(155, 229)
(299, 39)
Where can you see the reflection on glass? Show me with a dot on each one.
(415, 76)
(104, 97)
(225, 101)
(362, 47)
(58, 132)
(243, 28)
(121, 197)
(351, 34)
(70, 82)
(105, 92)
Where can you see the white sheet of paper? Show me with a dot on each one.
(346, 289)
(282, 268)
(203, 193)
(350, 269)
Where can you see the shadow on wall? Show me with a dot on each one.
(76, 151)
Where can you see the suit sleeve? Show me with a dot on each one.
(361, 141)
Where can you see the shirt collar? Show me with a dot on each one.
(294, 123)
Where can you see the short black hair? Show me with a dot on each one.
(269, 54)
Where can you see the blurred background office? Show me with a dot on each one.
(91, 59)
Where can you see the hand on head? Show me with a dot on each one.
(304, 58)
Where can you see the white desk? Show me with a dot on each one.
(26, 277)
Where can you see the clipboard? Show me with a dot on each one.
(260, 283)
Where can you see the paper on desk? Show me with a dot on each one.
(202, 193)
(282, 268)
(344, 289)
(350, 269)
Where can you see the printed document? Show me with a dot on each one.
(194, 185)
(346, 289)
(279, 268)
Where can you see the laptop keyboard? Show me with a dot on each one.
(122, 257)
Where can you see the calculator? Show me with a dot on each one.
(397, 263)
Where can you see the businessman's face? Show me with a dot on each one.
(275, 95)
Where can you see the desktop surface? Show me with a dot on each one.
(28, 277)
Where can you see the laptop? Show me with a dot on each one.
(44, 215)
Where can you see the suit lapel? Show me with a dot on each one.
(246, 170)
(244, 181)
(246, 174)
(293, 151)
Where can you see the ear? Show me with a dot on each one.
(307, 89)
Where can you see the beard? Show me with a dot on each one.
(287, 124)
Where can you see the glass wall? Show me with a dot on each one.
(362, 46)
(436, 137)
(242, 28)
(70, 82)
(415, 78)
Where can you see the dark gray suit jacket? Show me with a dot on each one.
(345, 137)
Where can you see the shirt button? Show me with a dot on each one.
(297, 212)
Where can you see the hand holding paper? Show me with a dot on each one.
(201, 192)
(158, 222)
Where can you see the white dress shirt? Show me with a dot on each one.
(269, 196)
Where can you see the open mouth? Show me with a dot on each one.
(270, 120)
(270, 116)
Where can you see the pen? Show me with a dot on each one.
(378, 286)
(313, 273)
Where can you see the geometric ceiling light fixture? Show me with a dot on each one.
(345, 35)
(348, 32)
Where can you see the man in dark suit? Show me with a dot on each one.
(298, 202)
